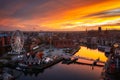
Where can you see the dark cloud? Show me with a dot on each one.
(28, 9)
(108, 13)
(18, 8)
(7, 4)
(8, 28)
(24, 27)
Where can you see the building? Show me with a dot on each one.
(4, 40)
(64, 43)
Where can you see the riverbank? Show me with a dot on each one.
(58, 70)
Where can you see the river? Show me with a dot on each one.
(69, 72)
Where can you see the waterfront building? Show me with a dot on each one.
(105, 38)
(4, 40)
(64, 43)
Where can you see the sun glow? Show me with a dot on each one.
(68, 16)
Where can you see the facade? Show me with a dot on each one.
(4, 40)
(63, 43)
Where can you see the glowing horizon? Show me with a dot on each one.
(59, 15)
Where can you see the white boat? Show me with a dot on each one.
(23, 65)
(7, 76)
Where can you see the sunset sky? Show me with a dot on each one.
(59, 15)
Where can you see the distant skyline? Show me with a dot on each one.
(59, 15)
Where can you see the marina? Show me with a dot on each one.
(63, 70)
(35, 58)
(38, 58)
(59, 39)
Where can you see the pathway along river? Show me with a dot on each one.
(69, 72)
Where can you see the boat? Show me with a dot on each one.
(69, 61)
(107, 51)
(39, 67)
(4, 75)
(7, 76)
(101, 48)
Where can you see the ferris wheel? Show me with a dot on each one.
(17, 41)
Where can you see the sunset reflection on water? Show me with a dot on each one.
(73, 71)
(90, 53)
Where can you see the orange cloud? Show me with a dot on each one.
(61, 15)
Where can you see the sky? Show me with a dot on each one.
(59, 15)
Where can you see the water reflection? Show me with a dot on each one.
(89, 53)
(68, 72)
(71, 71)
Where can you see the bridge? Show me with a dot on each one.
(82, 60)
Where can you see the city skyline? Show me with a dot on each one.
(59, 15)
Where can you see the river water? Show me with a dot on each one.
(69, 72)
